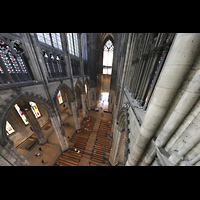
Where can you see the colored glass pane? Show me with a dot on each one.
(60, 97)
(9, 128)
(21, 114)
(35, 110)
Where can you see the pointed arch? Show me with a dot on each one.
(105, 37)
(4, 139)
(80, 86)
(107, 48)
(67, 89)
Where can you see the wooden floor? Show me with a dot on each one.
(89, 146)
(84, 150)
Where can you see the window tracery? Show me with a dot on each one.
(21, 114)
(55, 65)
(73, 44)
(60, 100)
(52, 39)
(12, 66)
(84, 45)
(35, 109)
(108, 57)
(9, 128)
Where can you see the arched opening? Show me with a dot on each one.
(64, 107)
(103, 79)
(108, 57)
(26, 126)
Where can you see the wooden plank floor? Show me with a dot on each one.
(90, 146)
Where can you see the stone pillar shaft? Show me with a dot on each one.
(60, 132)
(75, 115)
(10, 156)
(84, 106)
(181, 57)
(35, 126)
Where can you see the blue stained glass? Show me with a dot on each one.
(1, 71)
(21, 63)
(12, 58)
(6, 62)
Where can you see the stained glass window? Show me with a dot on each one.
(70, 43)
(1, 70)
(12, 62)
(109, 71)
(59, 41)
(84, 45)
(76, 44)
(12, 58)
(21, 114)
(60, 97)
(56, 40)
(73, 44)
(105, 70)
(41, 37)
(21, 63)
(9, 128)
(34, 108)
(108, 53)
(108, 57)
(45, 38)
(6, 62)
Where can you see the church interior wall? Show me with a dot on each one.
(92, 95)
(105, 80)
(155, 74)
(65, 103)
(111, 100)
(22, 131)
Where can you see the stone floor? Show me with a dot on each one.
(51, 149)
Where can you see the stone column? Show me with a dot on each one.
(75, 115)
(10, 156)
(59, 130)
(115, 146)
(181, 57)
(84, 106)
(35, 126)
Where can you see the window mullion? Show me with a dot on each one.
(8, 76)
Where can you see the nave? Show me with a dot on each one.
(89, 146)
(91, 152)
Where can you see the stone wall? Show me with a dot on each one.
(165, 131)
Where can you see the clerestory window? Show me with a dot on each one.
(108, 57)
(52, 39)
(84, 45)
(73, 44)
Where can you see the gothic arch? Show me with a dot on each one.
(10, 104)
(87, 82)
(80, 86)
(105, 37)
(67, 89)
